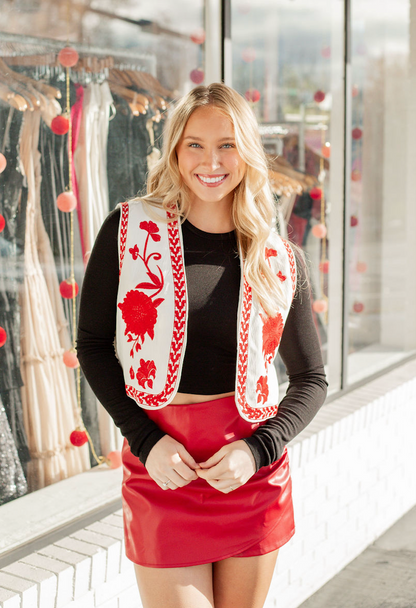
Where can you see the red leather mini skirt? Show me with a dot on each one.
(198, 524)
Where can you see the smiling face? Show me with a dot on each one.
(208, 160)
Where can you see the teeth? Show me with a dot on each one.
(211, 180)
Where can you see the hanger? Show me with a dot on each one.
(13, 99)
(44, 89)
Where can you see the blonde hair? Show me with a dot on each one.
(253, 207)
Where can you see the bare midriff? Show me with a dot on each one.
(185, 398)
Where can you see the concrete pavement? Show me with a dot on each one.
(383, 576)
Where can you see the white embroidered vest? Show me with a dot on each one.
(152, 316)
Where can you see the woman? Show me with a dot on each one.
(206, 490)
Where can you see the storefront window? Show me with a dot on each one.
(134, 58)
(287, 59)
(381, 319)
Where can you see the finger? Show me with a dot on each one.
(214, 459)
(187, 458)
(185, 472)
(223, 485)
(167, 486)
(177, 479)
(220, 471)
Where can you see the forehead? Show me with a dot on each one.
(209, 117)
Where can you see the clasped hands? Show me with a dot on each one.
(171, 466)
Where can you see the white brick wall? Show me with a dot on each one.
(353, 477)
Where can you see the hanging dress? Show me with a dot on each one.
(48, 404)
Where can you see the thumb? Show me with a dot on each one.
(187, 458)
(213, 460)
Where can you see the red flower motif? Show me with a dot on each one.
(272, 333)
(281, 276)
(152, 229)
(132, 373)
(270, 253)
(140, 315)
(262, 389)
(146, 373)
(134, 252)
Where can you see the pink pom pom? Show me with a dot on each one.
(358, 307)
(68, 57)
(353, 221)
(2, 222)
(319, 230)
(319, 96)
(320, 306)
(361, 267)
(252, 95)
(3, 162)
(326, 150)
(249, 54)
(198, 36)
(3, 336)
(357, 133)
(66, 202)
(70, 359)
(197, 76)
(315, 193)
(115, 459)
(324, 267)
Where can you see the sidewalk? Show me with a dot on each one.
(383, 576)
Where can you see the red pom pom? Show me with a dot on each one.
(315, 193)
(70, 359)
(78, 438)
(3, 336)
(197, 76)
(252, 95)
(355, 91)
(2, 222)
(115, 460)
(68, 57)
(66, 202)
(198, 36)
(320, 306)
(319, 96)
(3, 162)
(361, 267)
(60, 125)
(356, 175)
(357, 133)
(66, 289)
(353, 221)
(324, 267)
(358, 307)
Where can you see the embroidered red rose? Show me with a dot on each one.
(262, 389)
(272, 333)
(152, 229)
(281, 276)
(140, 315)
(146, 373)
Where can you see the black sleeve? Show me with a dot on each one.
(95, 342)
(301, 353)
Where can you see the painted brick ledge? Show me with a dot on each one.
(343, 491)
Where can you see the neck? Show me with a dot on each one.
(214, 218)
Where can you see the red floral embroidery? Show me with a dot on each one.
(132, 373)
(146, 373)
(262, 389)
(139, 309)
(272, 333)
(151, 228)
(140, 315)
(281, 276)
(270, 253)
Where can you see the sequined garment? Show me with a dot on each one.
(12, 480)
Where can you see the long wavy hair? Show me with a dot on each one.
(253, 206)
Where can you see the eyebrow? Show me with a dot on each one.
(199, 139)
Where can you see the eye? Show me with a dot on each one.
(228, 146)
(194, 144)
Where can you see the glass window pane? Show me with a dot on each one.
(382, 224)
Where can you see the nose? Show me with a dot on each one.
(211, 159)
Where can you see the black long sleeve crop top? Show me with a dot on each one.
(213, 279)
